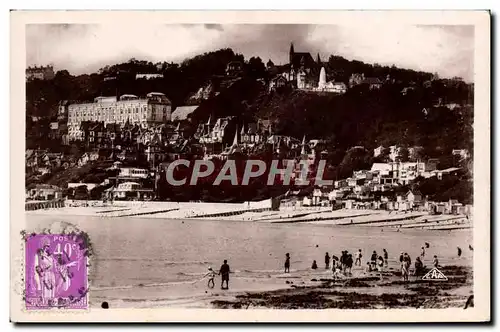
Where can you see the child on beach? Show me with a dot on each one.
(314, 265)
(327, 261)
(287, 263)
(335, 263)
(405, 267)
(435, 261)
(211, 278)
(422, 253)
(337, 272)
(380, 263)
(359, 255)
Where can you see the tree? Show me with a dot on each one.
(81, 192)
(357, 158)
(256, 68)
(403, 154)
(384, 154)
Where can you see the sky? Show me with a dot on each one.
(446, 50)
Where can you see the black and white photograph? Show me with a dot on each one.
(239, 164)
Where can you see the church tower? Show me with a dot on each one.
(322, 78)
(292, 52)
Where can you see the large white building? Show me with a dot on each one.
(155, 109)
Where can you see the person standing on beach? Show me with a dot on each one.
(386, 258)
(459, 251)
(374, 259)
(435, 261)
(224, 271)
(348, 263)
(342, 261)
(287, 263)
(327, 261)
(405, 268)
(422, 253)
(359, 255)
(345, 262)
(419, 266)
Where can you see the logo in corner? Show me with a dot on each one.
(434, 274)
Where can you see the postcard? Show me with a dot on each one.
(250, 166)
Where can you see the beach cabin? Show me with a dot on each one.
(414, 198)
(403, 206)
(319, 195)
(436, 207)
(452, 206)
(350, 204)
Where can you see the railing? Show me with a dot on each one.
(29, 206)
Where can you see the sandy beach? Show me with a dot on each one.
(239, 212)
(154, 255)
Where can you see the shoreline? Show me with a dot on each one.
(366, 292)
(235, 212)
(177, 280)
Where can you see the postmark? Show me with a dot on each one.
(56, 271)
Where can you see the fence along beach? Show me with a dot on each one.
(262, 211)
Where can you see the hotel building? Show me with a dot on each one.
(155, 109)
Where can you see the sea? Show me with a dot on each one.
(140, 262)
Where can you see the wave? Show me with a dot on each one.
(158, 284)
(163, 261)
(192, 274)
(278, 271)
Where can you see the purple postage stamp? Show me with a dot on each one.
(56, 272)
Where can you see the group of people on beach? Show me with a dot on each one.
(342, 266)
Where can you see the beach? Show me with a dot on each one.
(149, 260)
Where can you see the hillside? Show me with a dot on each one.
(359, 117)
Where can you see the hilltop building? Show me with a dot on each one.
(302, 69)
(40, 73)
(148, 76)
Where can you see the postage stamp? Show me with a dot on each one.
(281, 166)
(56, 272)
